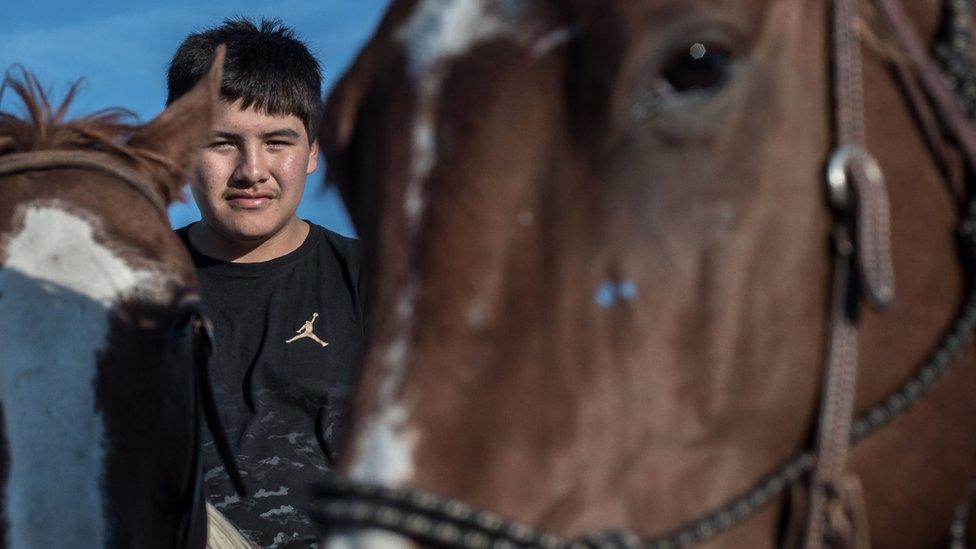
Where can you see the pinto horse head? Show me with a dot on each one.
(97, 326)
(598, 239)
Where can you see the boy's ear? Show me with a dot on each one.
(178, 134)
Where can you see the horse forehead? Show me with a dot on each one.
(436, 30)
(52, 243)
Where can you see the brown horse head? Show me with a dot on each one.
(97, 385)
(598, 241)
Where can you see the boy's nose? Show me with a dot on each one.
(252, 167)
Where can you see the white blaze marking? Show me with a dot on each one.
(56, 287)
(406, 302)
(441, 29)
(59, 247)
(552, 40)
(386, 445)
(436, 32)
(386, 448)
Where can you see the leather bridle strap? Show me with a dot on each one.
(203, 351)
(945, 102)
(836, 508)
(190, 527)
(857, 195)
(90, 160)
(835, 505)
(205, 406)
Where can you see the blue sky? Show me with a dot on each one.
(122, 48)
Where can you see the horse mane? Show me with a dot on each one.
(44, 127)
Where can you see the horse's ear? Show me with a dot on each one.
(343, 104)
(338, 121)
(178, 134)
(343, 109)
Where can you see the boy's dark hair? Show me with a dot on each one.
(267, 68)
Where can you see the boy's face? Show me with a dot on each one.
(252, 173)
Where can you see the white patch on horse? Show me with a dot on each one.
(394, 357)
(425, 152)
(385, 448)
(406, 302)
(436, 32)
(424, 157)
(59, 247)
(552, 40)
(442, 29)
(57, 286)
(398, 350)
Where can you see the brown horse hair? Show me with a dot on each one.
(45, 128)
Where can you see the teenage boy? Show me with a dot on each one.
(283, 294)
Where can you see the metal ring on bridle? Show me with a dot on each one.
(841, 163)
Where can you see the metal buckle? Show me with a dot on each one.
(843, 160)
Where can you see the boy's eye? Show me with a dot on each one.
(220, 144)
(279, 143)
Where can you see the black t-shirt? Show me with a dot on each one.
(289, 338)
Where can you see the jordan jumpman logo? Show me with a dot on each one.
(306, 331)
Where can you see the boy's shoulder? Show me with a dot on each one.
(343, 246)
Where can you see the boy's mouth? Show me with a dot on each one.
(249, 201)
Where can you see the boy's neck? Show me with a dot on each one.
(213, 244)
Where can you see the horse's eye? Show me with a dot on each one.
(699, 67)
